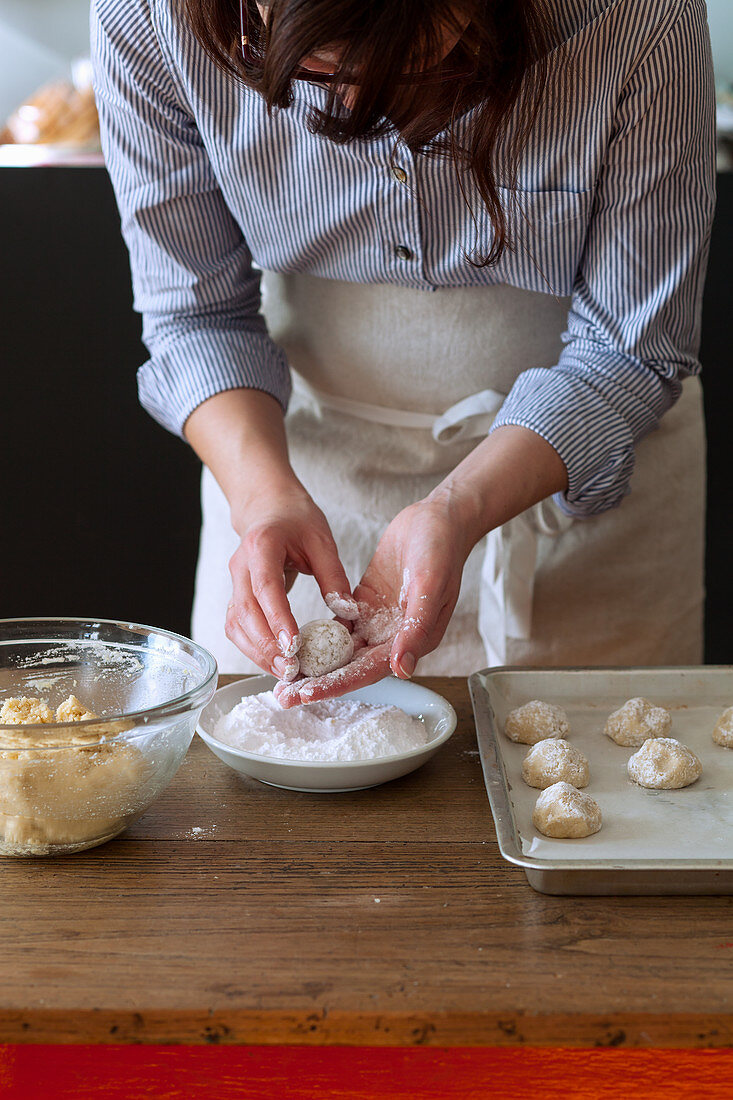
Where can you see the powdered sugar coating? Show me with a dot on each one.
(333, 729)
(723, 732)
(555, 761)
(289, 646)
(379, 625)
(637, 720)
(565, 813)
(344, 606)
(290, 670)
(535, 721)
(663, 763)
(325, 645)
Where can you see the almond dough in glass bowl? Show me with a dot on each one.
(95, 719)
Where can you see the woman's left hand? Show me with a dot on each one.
(405, 599)
(410, 588)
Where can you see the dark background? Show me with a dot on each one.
(100, 506)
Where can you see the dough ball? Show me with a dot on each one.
(535, 722)
(555, 761)
(636, 721)
(71, 710)
(723, 732)
(325, 645)
(25, 711)
(564, 812)
(28, 710)
(664, 764)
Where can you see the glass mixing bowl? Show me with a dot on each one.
(68, 785)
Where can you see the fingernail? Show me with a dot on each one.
(292, 668)
(280, 667)
(288, 645)
(407, 664)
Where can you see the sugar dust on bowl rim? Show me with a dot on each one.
(323, 777)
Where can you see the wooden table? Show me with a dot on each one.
(242, 913)
(237, 913)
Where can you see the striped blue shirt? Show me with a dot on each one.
(612, 206)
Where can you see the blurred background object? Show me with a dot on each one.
(47, 112)
(60, 113)
(39, 40)
(720, 18)
(725, 127)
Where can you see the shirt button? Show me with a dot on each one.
(399, 173)
(402, 252)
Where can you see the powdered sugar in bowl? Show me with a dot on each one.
(321, 776)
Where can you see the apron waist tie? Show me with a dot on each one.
(470, 418)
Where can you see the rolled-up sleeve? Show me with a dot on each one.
(192, 274)
(634, 323)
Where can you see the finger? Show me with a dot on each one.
(330, 574)
(259, 569)
(288, 694)
(247, 628)
(424, 624)
(369, 666)
(342, 605)
(236, 633)
(287, 668)
(287, 683)
(268, 583)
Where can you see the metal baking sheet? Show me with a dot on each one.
(652, 842)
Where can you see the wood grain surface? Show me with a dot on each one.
(233, 912)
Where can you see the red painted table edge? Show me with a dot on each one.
(84, 1072)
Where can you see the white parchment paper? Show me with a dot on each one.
(693, 823)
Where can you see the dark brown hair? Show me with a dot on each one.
(501, 54)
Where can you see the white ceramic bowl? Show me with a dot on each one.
(331, 776)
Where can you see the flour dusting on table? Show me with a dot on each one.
(333, 729)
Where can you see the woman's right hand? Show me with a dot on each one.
(283, 532)
(240, 435)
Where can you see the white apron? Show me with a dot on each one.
(392, 388)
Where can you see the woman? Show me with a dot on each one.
(483, 228)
